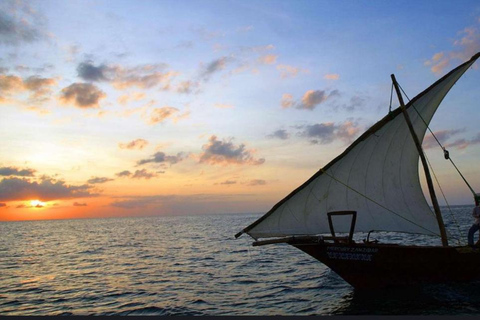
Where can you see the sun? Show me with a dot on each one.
(37, 204)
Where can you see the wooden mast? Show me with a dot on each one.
(436, 207)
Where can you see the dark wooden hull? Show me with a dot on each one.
(377, 266)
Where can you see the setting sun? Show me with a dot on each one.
(37, 204)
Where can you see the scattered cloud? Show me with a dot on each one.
(36, 86)
(227, 182)
(47, 189)
(136, 96)
(445, 135)
(225, 152)
(14, 171)
(310, 100)
(3, 205)
(256, 182)
(142, 76)
(223, 106)
(442, 135)
(124, 173)
(82, 95)
(325, 133)
(138, 174)
(268, 59)
(77, 204)
(331, 76)
(287, 101)
(187, 87)
(281, 134)
(465, 47)
(214, 67)
(159, 115)
(96, 180)
(137, 144)
(19, 23)
(161, 157)
(143, 174)
(287, 71)
(39, 87)
(89, 72)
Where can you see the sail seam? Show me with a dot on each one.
(412, 222)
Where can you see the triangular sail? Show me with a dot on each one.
(377, 176)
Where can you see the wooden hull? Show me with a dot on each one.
(377, 266)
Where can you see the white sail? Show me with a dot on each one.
(377, 176)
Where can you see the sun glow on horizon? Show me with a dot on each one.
(37, 204)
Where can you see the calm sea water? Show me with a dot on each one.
(189, 265)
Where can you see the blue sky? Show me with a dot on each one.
(235, 103)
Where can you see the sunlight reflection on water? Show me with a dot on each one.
(187, 265)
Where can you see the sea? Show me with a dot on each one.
(193, 266)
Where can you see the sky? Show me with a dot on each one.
(139, 108)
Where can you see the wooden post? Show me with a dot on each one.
(436, 207)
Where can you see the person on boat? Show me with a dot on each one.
(476, 225)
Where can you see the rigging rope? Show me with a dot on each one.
(445, 151)
(448, 205)
(447, 157)
(391, 96)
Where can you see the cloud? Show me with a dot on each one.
(77, 204)
(159, 115)
(442, 135)
(144, 76)
(96, 180)
(136, 96)
(124, 173)
(279, 134)
(287, 71)
(14, 171)
(287, 101)
(138, 174)
(3, 205)
(310, 100)
(82, 95)
(256, 182)
(268, 59)
(223, 106)
(36, 86)
(88, 72)
(325, 133)
(227, 182)
(143, 174)
(137, 144)
(445, 135)
(47, 189)
(187, 87)
(225, 152)
(19, 23)
(465, 47)
(39, 86)
(161, 157)
(331, 76)
(214, 66)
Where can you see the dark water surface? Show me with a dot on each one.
(189, 265)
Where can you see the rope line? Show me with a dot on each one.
(380, 205)
(446, 201)
(445, 152)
